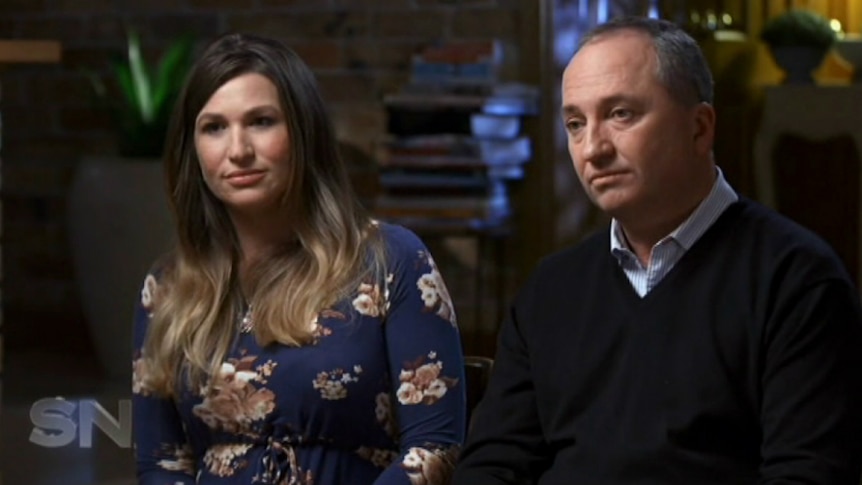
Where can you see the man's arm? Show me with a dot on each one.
(811, 412)
(505, 444)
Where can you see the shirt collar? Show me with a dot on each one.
(686, 234)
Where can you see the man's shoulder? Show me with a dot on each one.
(777, 240)
(576, 257)
(774, 228)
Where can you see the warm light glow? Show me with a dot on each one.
(711, 20)
(726, 19)
(835, 24)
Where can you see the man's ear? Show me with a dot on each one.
(703, 118)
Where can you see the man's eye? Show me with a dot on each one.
(574, 125)
(622, 114)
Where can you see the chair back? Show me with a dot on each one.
(477, 371)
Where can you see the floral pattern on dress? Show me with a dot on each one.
(231, 401)
(141, 377)
(383, 413)
(181, 459)
(378, 457)
(435, 295)
(272, 472)
(223, 460)
(422, 383)
(427, 467)
(333, 384)
(286, 406)
(149, 292)
(369, 301)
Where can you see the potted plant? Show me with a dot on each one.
(798, 40)
(118, 217)
(147, 94)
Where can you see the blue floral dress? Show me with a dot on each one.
(377, 399)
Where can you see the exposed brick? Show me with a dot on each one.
(360, 49)
(381, 54)
(10, 7)
(391, 81)
(319, 54)
(9, 28)
(317, 4)
(347, 88)
(34, 178)
(412, 23)
(21, 122)
(87, 6)
(360, 125)
(106, 29)
(375, 3)
(166, 29)
(49, 91)
(486, 23)
(219, 4)
(458, 3)
(54, 146)
(62, 28)
(139, 6)
(302, 24)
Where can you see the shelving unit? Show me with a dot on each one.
(455, 145)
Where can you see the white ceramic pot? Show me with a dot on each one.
(118, 224)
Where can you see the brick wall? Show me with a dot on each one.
(358, 48)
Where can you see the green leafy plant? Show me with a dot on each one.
(146, 95)
(798, 28)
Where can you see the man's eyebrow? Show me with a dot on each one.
(570, 110)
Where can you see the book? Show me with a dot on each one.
(487, 125)
(473, 182)
(436, 149)
(493, 207)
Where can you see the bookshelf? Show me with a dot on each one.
(455, 146)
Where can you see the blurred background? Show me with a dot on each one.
(447, 112)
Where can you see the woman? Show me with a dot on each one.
(289, 339)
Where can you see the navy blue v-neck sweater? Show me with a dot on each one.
(743, 365)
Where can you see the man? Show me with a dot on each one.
(702, 339)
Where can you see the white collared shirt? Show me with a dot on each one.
(672, 247)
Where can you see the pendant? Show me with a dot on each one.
(246, 324)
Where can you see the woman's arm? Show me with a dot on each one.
(162, 451)
(427, 365)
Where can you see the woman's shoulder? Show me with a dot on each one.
(398, 238)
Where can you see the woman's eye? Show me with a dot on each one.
(263, 121)
(212, 127)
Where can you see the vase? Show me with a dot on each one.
(119, 223)
(798, 62)
(849, 48)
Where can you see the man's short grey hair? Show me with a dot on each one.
(682, 68)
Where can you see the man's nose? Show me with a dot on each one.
(597, 146)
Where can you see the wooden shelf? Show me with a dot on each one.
(29, 51)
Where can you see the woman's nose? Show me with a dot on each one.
(240, 147)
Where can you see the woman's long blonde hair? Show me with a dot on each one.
(336, 246)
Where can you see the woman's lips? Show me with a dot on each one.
(244, 178)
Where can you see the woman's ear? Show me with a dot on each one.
(704, 128)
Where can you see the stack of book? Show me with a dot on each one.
(455, 140)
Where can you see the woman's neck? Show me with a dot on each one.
(259, 237)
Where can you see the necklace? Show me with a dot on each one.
(245, 322)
